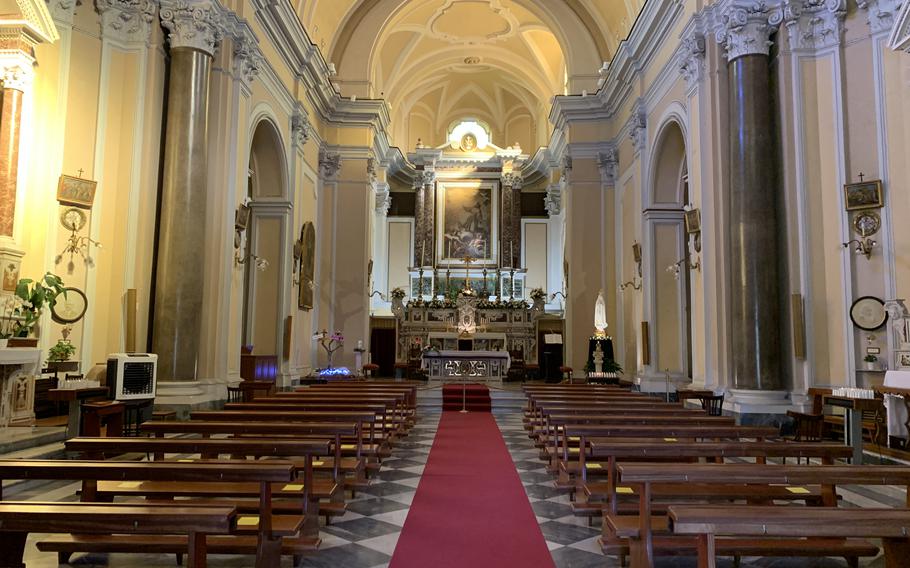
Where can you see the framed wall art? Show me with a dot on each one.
(863, 195)
(76, 191)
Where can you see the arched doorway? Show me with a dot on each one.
(263, 258)
(670, 287)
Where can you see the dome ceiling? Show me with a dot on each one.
(437, 61)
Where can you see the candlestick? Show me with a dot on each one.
(423, 249)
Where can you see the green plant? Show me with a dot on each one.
(611, 366)
(62, 351)
(870, 358)
(35, 295)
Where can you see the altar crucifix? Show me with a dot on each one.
(467, 274)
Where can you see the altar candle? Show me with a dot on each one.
(423, 246)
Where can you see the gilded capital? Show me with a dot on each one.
(196, 24)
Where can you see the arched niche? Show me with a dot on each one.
(669, 289)
(266, 236)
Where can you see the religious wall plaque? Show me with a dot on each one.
(76, 191)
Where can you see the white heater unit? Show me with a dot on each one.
(132, 376)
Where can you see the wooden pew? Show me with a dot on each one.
(643, 543)
(92, 474)
(707, 522)
(18, 519)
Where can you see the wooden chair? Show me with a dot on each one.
(517, 370)
(713, 405)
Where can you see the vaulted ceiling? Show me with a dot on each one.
(438, 61)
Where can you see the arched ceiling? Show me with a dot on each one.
(436, 61)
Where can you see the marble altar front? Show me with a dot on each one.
(19, 367)
(466, 365)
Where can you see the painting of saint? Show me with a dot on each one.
(468, 222)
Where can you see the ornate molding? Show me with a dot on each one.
(899, 40)
(691, 62)
(127, 21)
(62, 11)
(553, 200)
(300, 128)
(745, 28)
(815, 24)
(608, 163)
(511, 179)
(329, 164)
(198, 24)
(426, 177)
(881, 14)
(372, 170)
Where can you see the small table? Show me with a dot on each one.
(75, 397)
(853, 420)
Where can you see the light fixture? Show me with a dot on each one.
(260, 263)
(863, 246)
(635, 284)
(687, 260)
(74, 219)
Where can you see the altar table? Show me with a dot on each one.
(466, 365)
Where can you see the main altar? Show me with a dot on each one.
(465, 312)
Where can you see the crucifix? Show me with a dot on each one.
(79, 175)
(861, 176)
(467, 271)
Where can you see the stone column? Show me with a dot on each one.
(194, 30)
(754, 229)
(16, 74)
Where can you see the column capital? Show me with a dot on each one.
(198, 24)
(815, 24)
(608, 163)
(553, 200)
(881, 14)
(637, 130)
(745, 27)
(329, 164)
(512, 179)
(691, 62)
(17, 71)
(127, 21)
(426, 177)
(383, 198)
(248, 59)
(300, 128)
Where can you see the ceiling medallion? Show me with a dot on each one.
(472, 22)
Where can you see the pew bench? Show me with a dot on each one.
(149, 522)
(645, 541)
(262, 540)
(791, 527)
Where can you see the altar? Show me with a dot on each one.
(466, 365)
(19, 366)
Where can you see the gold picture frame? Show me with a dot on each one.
(693, 221)
(76, 191)
(863, 195)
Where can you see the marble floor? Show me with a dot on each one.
(366, 536)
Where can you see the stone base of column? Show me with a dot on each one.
(10, 262)
(757, 402)
(657, 383)
(187, 396)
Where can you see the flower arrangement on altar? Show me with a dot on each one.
(538, 294)
(397, 293)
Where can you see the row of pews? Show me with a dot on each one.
(252, 479)
(668, 480)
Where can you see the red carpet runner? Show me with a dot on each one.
(470, 510)
(476, 397)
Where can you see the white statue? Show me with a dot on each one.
(600, 315)
(598, 359)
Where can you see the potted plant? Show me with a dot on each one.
(9, 318)
(62, 351)
(34, 296)
(870, 360)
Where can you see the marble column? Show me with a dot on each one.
(754, 192)
(429, 216)
(510, 220)
(194, 31)
(419, 222)
(16, 76)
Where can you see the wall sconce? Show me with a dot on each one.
(75, 219)
(636, 281)
(635, 284)
(675, 267)
(863, 246)
(241, 222)
(560, 293)
(260, 263)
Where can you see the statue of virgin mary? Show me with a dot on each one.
(600, 316)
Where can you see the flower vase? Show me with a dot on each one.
(870, 366)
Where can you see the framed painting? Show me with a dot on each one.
(863, 195)
(693, 221)
(307, 276)
(468, 222)
(76, 191)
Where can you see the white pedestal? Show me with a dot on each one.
(19, 367)
(744, 401)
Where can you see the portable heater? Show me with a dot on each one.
(132, 376)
